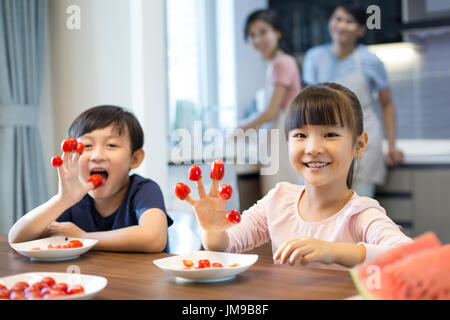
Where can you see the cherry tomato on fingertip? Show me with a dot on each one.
(225, 191)
(195, 173)
(73, 144)
(217, 169)
(80, 147)
(182, 190)
(233, 216)
(96, 180)
(57, 161)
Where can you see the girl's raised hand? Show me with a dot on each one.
(210, 208)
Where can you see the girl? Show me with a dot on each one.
(351, 64)
(323, 222)
(264, 30)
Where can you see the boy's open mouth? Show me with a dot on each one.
(100, 171)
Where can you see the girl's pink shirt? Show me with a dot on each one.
(275, 217)
(285, 72)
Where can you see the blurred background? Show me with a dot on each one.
(174, 62)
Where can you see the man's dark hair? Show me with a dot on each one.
(355, 8)
(103, 116)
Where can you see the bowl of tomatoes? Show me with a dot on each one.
(57, 248)
(50, 286)
(206, 266)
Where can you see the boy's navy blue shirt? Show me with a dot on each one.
(142, 194)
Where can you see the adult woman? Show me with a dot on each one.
(263, 29)
(351, 64)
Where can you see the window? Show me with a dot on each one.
(199, 35)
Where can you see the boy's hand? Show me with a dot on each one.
(210, 209)
(306, 250)
(68, 229)
(71, 191)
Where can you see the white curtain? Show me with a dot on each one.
(22, 47)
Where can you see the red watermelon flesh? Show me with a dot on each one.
(375, 268)
(424, 276)
(425, 241)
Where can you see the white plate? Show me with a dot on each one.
(174, 265)
(25, 248)
(92, 284)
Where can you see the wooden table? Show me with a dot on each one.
(134, 276)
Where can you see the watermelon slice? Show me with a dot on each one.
(381, 278)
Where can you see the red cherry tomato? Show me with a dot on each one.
(66, 146)
(217, 265)
(217, 169)
(20, 286)
(225, 191)
(188, 263)
(54, 293)
(195, 173)
(74, 289)
(37, 248)
(96, 180)
(73, 144)
(75, 244)
(234, 265)
(48, 282)
(61, 286)
(4, 293)
(233, 216)
(80, 148)
(16, 295)
(37, 286)
(201, 264)
(33, 295)
(182, 190)
(57, 161)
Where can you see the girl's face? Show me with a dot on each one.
(343, 27)
(322, 155)
(264, 38)
(109, 154)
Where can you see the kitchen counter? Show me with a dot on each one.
(423, 152)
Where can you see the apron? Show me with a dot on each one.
(285, 172)
(370, 167)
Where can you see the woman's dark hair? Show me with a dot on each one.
(271, 17)
(355, 8)
(103, 116)
(327, 104)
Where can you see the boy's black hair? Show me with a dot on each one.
(355, 8)
(103, 116)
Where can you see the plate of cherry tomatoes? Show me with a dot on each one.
(54, 248)
(51, 285)
(206, 266)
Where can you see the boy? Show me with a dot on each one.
(126, 213)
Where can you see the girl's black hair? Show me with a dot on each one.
(327, 104)
(355, 8)
(271, 17)
(103, 116)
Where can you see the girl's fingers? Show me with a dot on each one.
(310, 257)
(201, 189)
(190, 200)
(299, 253)
(214, 188)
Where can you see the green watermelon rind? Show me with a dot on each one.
(359, 285)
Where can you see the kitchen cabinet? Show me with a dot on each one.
(417, 198)
(305, 22)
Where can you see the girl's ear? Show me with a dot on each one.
(137, 158)
(361, 144)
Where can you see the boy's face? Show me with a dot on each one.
(109, 154)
